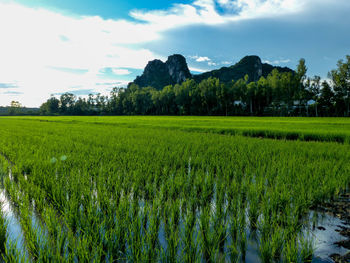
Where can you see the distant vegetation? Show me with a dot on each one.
(17, 109)
(281, 93)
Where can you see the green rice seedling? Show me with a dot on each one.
(234, 229)
(290, 250)
(3, 230)
(172, 230)
(206, 234)
(121, 169)
(136, 237)
(292, 225)
(243, 243)
(265, 227)
(233, 253)
(12, 255)
(189, 238)
(151, 235)
(118, 234)
(220, 237)
(220, 223)
(31, 238)
(265, 252)
(271, 242)
(307, 248)
(253, 210)
(277, 242)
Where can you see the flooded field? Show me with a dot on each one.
(134, 194)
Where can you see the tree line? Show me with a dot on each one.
(279, 94)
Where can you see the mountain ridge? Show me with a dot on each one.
(159, 74)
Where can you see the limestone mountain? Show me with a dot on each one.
(158, 74)
(249, 65)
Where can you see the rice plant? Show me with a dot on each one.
(189, 189)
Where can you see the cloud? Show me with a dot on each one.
(121, 71)
(70, 70)
(10, 92)
(206, 12)
(117, 83)
(45, 52)
(64, 38)
(252, 9)
(8, 86)
(197, 70)
(277, 61)
(79, 92)
(199, 58)
(202, 59)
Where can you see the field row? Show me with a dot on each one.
(303, 129)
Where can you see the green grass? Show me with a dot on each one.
(170, 188)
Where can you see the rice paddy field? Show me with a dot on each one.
(167, 189)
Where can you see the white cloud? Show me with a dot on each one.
(277, 61)
(200, 70)
(202, 59)
(249, 9)
(205, 12)
(121, 71)
(35, 42)
(199, 58)
(210, 63)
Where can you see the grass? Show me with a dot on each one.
(170, 188)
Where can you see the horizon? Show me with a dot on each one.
(90, 47)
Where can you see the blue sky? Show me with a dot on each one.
(55, 46)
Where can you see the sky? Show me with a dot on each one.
(48, 47)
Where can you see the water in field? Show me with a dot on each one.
(14, 227)
(323, 228)
(326, 234)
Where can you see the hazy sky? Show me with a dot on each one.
(88, 46)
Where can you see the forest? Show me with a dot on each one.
(278, 94)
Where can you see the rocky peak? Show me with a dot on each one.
(177, 68)
(255, 64)
(159, 74)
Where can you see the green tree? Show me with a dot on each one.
(300, 79)
(67, 101)
(341, 82)
(315, 90)
(225, 96)
(50, 107)
(252, 88)
(208, 92)
(326, 97)
(183, 96)
(15, 108)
